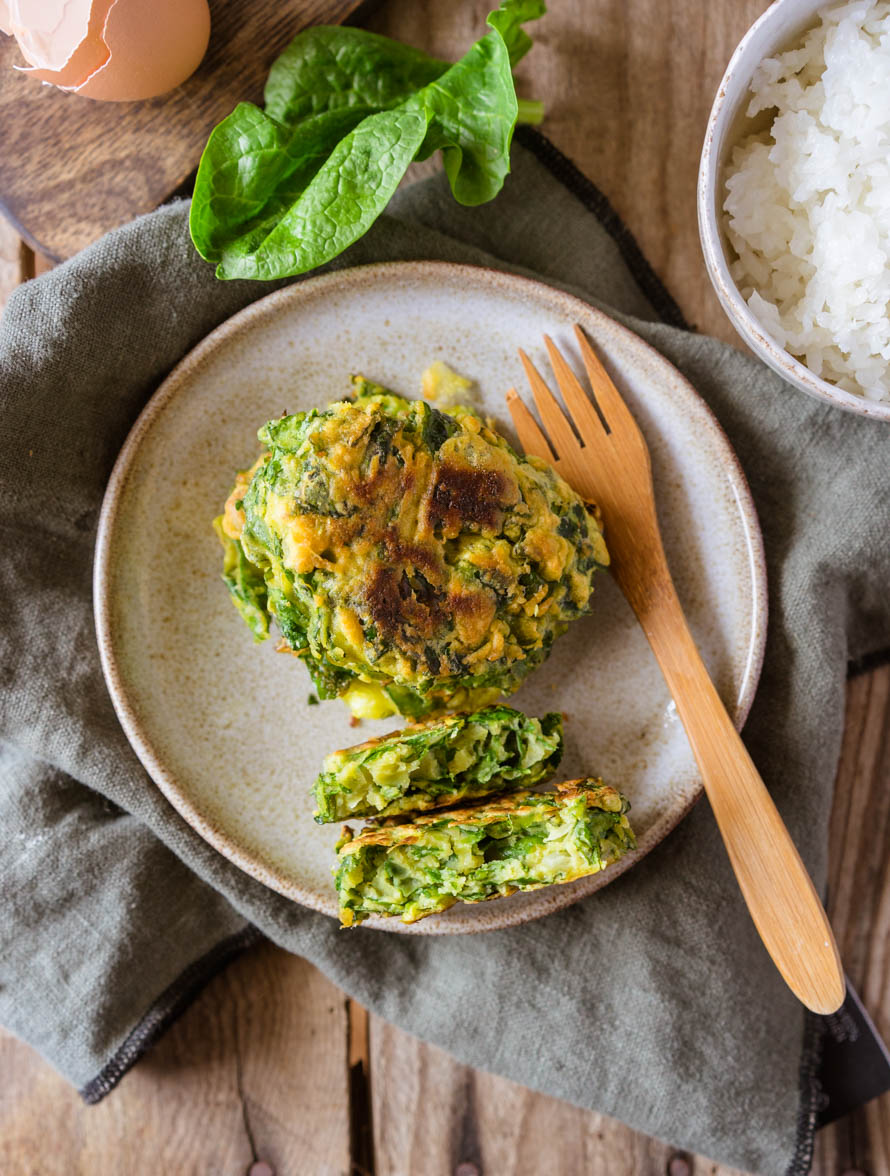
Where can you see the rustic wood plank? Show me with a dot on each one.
(361, 1119)
(40, 264)
(72, 168)
(859, 906)
(254, 1070)
(12, 261)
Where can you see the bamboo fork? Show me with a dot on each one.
(612, 468)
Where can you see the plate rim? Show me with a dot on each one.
(552, 898)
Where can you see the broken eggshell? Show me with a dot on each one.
(62, 40)
(112, 50)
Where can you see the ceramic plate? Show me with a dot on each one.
(224, 726)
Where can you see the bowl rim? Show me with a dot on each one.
(743, 320)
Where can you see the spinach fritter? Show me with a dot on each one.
(439, 762)
(519, 842)
(409, 556)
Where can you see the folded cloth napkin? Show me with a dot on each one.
(652, 1000)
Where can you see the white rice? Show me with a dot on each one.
(809, 199)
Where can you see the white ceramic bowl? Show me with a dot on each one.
(775, 31)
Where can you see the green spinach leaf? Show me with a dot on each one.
(252, 171)
(283, 190)
(471, 112)
(509, 19)
(329, 68)
(245, 583)
(338, 205)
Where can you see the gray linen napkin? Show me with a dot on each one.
(652, 1000)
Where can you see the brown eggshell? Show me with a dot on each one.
(153, 46)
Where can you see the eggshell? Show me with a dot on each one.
(48, 31)
(85, 54)
(5, 19)
(153, 46)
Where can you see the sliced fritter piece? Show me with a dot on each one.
(439, 762)
(493, 848)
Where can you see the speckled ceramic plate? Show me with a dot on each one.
(223, 725)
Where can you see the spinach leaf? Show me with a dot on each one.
(283, 190)
(437, 427)
(252, 171)
(245, 583)
(379, 444)
(471, 112)
(338, 205)
(328, 68)
(509, 19)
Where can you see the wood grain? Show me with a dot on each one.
(254, 1070)
(12, 261)
(859, 906)
(72, 168)
(361, 1118)
(628, 85)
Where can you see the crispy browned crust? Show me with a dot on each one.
(484, 812)
(513, 803)
(414, 729)
(407, 608)
(462, 496)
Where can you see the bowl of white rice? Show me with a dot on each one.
(794, 197)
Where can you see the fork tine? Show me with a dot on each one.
(577, 400)
(530, 436)
(607, 395)
(551, 414)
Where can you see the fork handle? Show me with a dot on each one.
(780, 895)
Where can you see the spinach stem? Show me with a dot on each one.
(530, 111)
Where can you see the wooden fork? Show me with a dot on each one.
(612, 469)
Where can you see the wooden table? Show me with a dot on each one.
(273, 1067)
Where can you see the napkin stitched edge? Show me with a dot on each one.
(169, 1006)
